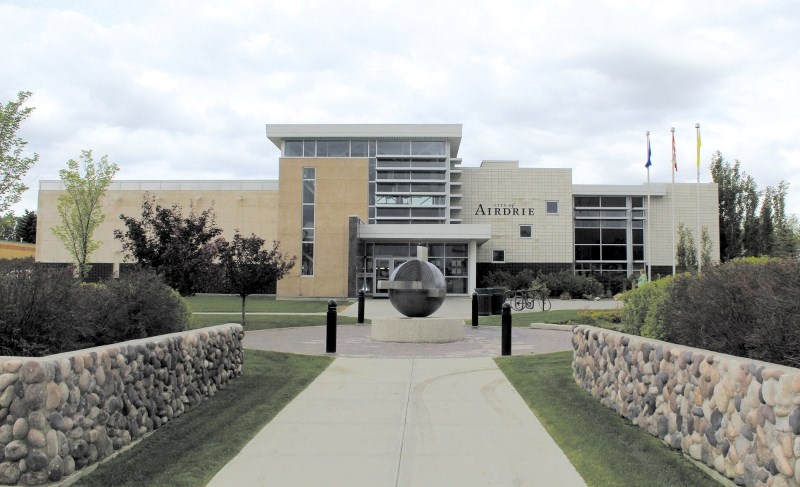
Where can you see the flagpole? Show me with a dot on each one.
(674, 167)
(699, 243)
(648, 219)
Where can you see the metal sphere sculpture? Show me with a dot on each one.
(417, 288)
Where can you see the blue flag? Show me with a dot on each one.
(648, 153)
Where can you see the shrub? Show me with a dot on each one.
(577, 285)
(36, 308)
(505, 279)
(749, 308)
(136, 306)
(45, 311)
(745, 307)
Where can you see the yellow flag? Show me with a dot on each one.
(698, 148)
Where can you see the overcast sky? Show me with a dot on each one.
(183, 89)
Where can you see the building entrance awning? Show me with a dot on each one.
(480, 233)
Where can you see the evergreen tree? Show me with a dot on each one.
(730, 181)
(751, 230)
(784, 238)
(766, 233)
(26, 227)
(705, 249)
(686, 252)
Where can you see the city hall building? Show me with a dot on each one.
(353, 202)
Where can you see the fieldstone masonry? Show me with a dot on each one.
(60, 413)
(738, 416)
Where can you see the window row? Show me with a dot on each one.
(362, 148)
(410, 200)
(412, 163)
(413, 212)
(608, 202)
(413, 175)
(307, 227)
(608, 236)
(411, 188)
(370, 249)
(607, 252)
(608, 224)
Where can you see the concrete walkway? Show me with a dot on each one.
(403, 422)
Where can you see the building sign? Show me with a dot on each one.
(503, 209)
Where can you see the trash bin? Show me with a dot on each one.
(484, 301)
(497, 299)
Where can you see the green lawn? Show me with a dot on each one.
(525, 319)
(189, 450)
(263, 322)
(605, 449)
(257, 303)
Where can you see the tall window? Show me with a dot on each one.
(307, 237)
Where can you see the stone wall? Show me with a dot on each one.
(738, 416)
(63, 412)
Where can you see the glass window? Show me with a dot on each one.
(587, 223)
(587, 252)
(637, 202)
(427, 148)
(586, 236)
(308, 216)
(637, 224)
(638, 236)
(372, 151)
(293, 148)
(439, 263)
(338, 148)
(307, 261)
(394, 148)
(587, 213)
(615, 252)
(456, 250)
(587, 201)
(498, 255)
(436, 176)
(393, 250)
(358, 148)
(308, 191)
(456, 285)
(392, 212)
(436, 250)
(613, 202)
(614, 213)
(309, 173)
(551, 207)
(614, 224)
(638, 252)
(427, 188)
(525, 231)
(455, 267)
(614, 236)
(309, 148)
(322, 148)
(427, 212)
(308, 235)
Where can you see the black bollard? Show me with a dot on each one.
(505, 340)
(474, 309)
(330, 338)
(361, 307)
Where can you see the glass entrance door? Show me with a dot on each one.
(384, 266)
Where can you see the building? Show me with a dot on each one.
(353, 202)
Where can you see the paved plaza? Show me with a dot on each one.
(403, 414)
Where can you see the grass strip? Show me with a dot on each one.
(256, 303)
(525, 319)
(606, 449)
(264, 322)
(191, 449)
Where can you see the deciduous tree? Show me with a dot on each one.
(8, 225)
(249, 267)
(80, 206)
(13, 166)
(686, 252)
(180, 249)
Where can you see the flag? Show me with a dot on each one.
(674, 159)
(698, 147)
(648, 152)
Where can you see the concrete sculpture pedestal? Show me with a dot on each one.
(418, 330)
